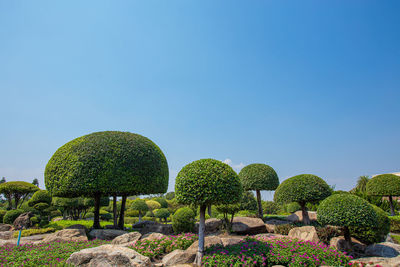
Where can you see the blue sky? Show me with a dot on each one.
(304, 86)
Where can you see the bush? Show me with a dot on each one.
(2, 213)
(169, 195)
(149, 214)
(131, 213)
(11, 215)
(293, 207)
(246, 213)
(106, 216)
(41, 196)
(385, 185)
(35, 220)
(283, 229)
(162, 214)
(206, 216)
(248, 201)
(162, 201)
(183, 220)
(140, 206)
(270, 207)
(29, 232)
(394, 224)
(153, 205)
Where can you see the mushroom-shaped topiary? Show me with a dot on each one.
(259, 177)
(107, 163)
(207, 182)
(41, 196)
(302, 189)
(346, 210)
(140, 206)
(387, 185)
(16, 191)
(162, 214)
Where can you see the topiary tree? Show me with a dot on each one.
(15, 191)
(346, 210)
(183, 220)
(226, 210)
(162, 214)
(169, 195)
(140, 206)
(77, 207)
(207, 182)
(248, 201)
(41, 196)
(162, 201)
(11, 215)
(302, 189)
(259, 177)
(385, 185)
(107, 163)
(153, 205)
(270, 207)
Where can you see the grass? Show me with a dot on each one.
(59, 225)
(29, 232)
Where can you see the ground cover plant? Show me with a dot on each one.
(46, 254)
(155, 248)
(59, 225)
(273, 251)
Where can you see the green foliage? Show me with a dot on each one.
(292, 207)
(246, 213)
(139, 205)
(19, 187)
(40, 196)
(11, 215)
(162, 214)
(183, 220)
(174, 205)
(270, 207)
(105, 215)
(208, 181)
(169, 195)
(283, 229)
(394, 224)
(376, 233)
(162, 201)
(29, 232)
(153, 205)
(259, 177)
(248, 201)
(302, 188)
(107, 162)
(346, 210)
(41, 206)
(384, 185)
(59, 225)
(226, 210)
(2, 213)
(77, 207)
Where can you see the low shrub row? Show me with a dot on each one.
(29, 232)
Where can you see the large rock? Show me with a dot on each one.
(341, 244)
(179, 257)
(378, 261)
(308, 233)
(152, 236)
(23, 221)
(231, 240)
(6, 227)
(385, 249)
(77, 226)
(6, 235)
(208, 242)
(108, 256)
(106, 234)
(248, 226)
(271, 224)
(211, 226)
(67, 235)
(298, 216)
(126, 238)
(154, 227)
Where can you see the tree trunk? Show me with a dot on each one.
(10, 202)
(122, 213)
(202, 226)
(347, 237)
(140, 216)
(391, 206)
(96, 219)
(115, 212)
(209, 210)
(306, 219)
(260, 211)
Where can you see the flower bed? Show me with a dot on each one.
(47, 254)
(155, 248)
(274, 251)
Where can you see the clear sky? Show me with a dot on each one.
(304, 86)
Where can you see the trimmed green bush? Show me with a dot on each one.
(11, 215)
(41, 196)
(162, 201)
(248, 201)
(2, 213)
(169, 195)
(375, 234)
(162, 214)
(346, 210)
(153, 205)
(394, 224)
(15, 191)
(270, 207)
(183, 220)
(385, 185)
(247, 213)
(293, 207)
(302, 189)
(29, 232)
(259, 177)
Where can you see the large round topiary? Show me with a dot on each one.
(385, 185)
(302, 189)
(207, 182)
(107, 163)
(183, 220)
(346, 210)
(17, 191)
(41, 196)
(259, 177)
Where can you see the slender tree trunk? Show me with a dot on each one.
(391, 205)
(16, 200)
(122, 213)
(9, 202)
(140, 216)
(209, 210)
(202, 226)
(347, 237)
(115, 211)
(306, 219)
(96, 220)
(260, 211)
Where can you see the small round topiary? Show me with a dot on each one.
(162, 214)
(385, 185)
(11, 215)
(302, 189)
(162, 201)
(346, 210)
(153, 205)
(140, 206)
(183, 220)
(41, 196)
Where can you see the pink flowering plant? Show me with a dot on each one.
(155, 248)
(274, 251)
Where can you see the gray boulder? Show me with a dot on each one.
(154, 227)
(179, 257)
(211, 226)
(106, 234)
(385, 249)
(6, 227)
(308, 233)
(248, 226)
(298, 216)
(66, 235)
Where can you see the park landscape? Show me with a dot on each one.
(105, 203)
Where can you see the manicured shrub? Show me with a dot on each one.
(162, 214)
(153, 205)
(394, 224)
(375, 234)
(105, 215)
(35, 220)
(259, 177)
(140, 206)
(162, 201)
(107, 163)
(149, 214)
(41, 196)
(270, 207)
(169, 195)
(2, 213)
(346, 210)
(246, 213)
(29, 232)
(385, 185)
(293, 207)
(207, 182)
(248, 201)
(11, 215)
(132, 213)
(183, 220)
(302, 189)
(16, 191)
